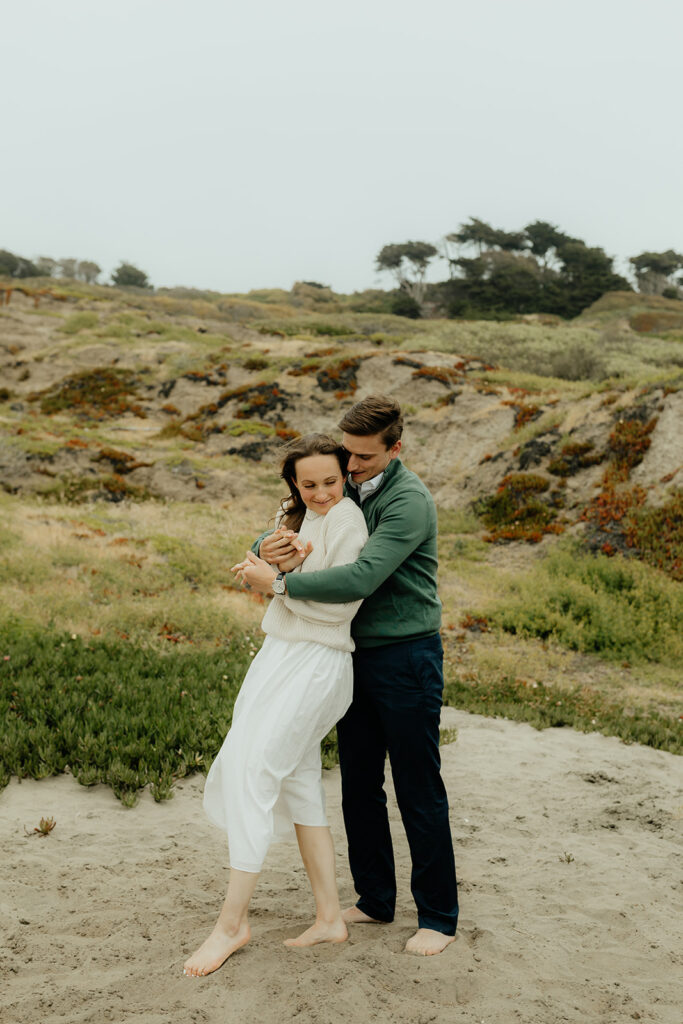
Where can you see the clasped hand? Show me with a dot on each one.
(282, 551)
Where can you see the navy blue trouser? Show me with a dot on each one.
(396, 706)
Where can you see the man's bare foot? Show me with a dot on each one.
(354, 915)
(427, 942)
(216, 950)
(321, 931)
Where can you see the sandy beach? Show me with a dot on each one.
(568, 853)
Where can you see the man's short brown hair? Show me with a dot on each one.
(376, 414)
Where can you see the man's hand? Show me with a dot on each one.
(255, 574)
(281, 545)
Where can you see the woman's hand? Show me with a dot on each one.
(280, 545)
(255, 574)
(295, 560)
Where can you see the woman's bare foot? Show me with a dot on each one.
(321, 931)
(354, 915)
(427, 942)
(215, 950)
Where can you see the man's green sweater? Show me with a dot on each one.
(395, 573)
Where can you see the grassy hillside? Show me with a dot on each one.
(138, 443)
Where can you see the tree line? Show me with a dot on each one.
(540, 269)
(491, 273)
(125, 275)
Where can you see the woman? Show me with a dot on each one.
(267, 775)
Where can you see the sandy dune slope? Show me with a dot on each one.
(568, 852)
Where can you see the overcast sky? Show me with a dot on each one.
(243, 145)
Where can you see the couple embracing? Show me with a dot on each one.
(352, 637)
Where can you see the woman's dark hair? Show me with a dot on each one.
(293, 505)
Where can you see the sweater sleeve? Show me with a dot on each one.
(344, 535)
(402, 528)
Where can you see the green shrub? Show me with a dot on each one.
(127, 275)
(614, 607)
(92, 394)
(516, 512)
(573, 457)
(329, 330)
(405, 305)
(577, 362)
(79, 322)
(235, 428)
(582, 708)
(117, 331)
(256, 363)
(657, 534)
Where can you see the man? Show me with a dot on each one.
(398, 677)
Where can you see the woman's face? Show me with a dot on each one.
(319, 481)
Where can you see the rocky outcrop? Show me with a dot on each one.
(98, 422)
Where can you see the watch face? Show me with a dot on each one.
(279, 585)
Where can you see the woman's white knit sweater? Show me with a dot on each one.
(337, 538)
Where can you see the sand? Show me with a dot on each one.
(568, 852)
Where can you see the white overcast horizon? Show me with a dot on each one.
(232, 147)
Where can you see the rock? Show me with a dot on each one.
(664, 457)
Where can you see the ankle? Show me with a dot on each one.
(328, 916)
(232, 926)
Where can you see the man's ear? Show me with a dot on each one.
(396, 448)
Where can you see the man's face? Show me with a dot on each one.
(368, 456)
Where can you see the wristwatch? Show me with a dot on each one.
(279, 586)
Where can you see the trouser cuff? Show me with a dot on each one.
(437, 925)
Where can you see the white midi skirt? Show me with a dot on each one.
(267, 775)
